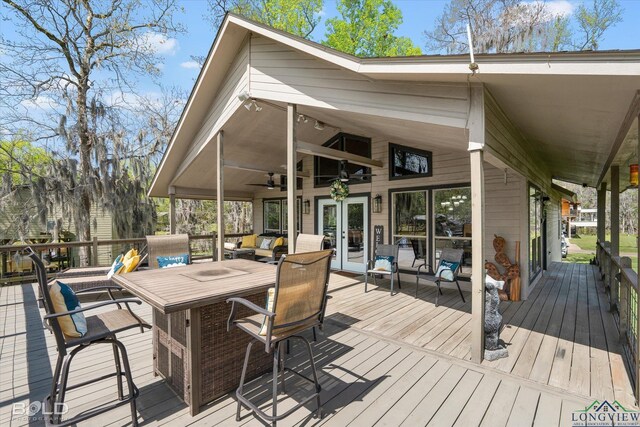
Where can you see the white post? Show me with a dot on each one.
(172, 210)
(477, 259)
(220, 196)
(615, 210)
(291, 177)
(602, 212)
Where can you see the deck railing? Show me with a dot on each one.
(12, 271)
(622, 283)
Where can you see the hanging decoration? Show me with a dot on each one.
(339, 190)
(633, 175)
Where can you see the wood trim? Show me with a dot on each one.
(477, 249)
(220, 194)
(330, 153)
(632, 114)
(292, 181)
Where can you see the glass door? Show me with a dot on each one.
(345, 226)
(330, 225)
(355, 239)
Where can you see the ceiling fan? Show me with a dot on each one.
(270, 183)
(344, 175)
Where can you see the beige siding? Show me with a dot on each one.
(225, 104)
(280, 73)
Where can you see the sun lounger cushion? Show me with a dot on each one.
(64, 299)
(173, 261)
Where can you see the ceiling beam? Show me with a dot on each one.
(210, 194)
(234, 165)
(330, 153)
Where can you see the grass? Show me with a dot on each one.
(585, 258)
(628, 242)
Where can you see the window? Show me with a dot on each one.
(329, 167)
(407, 162)
(409, 227)
(452, 222)
(276, 214)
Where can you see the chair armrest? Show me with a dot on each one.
(101, 304)
(279, 251)
(249, 305)
(96, 288)
(430, 270)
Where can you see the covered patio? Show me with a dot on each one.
(383, 362)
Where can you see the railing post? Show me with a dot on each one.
(214, 246)
(625, 294)
(95, 251)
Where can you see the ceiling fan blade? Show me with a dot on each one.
(261, 185)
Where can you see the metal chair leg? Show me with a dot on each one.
(366, 281)
(439, 291)
(242, 377)
(55, 381)
(460, 290)
(282, 357)
(116, 358)
(315, 378)
(130, 384)
(399, 284)
(391, 283)
(274, 404)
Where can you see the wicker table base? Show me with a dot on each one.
(200, 360)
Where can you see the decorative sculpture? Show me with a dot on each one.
(494, 348)
(512, 271)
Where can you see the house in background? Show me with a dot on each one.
(435, 153)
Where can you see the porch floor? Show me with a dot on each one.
(382, 361)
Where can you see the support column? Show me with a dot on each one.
(615, 210)
(291, 177)
(220, 195)
(602, 212)
(477, 259)
(637, 370)
(172, 210)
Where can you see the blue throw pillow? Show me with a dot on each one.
(173, 261)
(383, 263)
(64, 299)
(446, 270)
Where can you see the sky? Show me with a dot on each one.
(418, 15)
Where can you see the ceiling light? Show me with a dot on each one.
(257, 107)
(319, 125)
(302, 118)
(248, 106)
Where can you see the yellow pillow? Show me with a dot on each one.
(132, 252)
(249, 241)
(130, 265)
(279, 242)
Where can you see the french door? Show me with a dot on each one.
(345, 226)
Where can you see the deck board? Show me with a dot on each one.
(383, 360)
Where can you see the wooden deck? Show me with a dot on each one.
(383, 361)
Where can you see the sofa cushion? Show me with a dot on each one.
(263, 252)
(249, 241)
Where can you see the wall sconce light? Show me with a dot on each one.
(377, 204)
(306, 207)
(633, 175)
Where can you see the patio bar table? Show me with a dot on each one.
(192, 349)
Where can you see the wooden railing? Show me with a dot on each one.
(622, 283)
(202, 247)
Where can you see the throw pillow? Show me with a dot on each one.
(130, 264)
(64, 299)
(383, 263)
(269, 307)
(173, 261)
(113, 269)
(249, 241)
(279, 242)
(266, 243)
(446, 270)
(132, 252)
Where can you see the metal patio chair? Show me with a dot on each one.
(299, 302)
(101, 329)
(384, 250)
(450, 255)
(169, 245)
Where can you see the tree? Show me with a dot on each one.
(498, 26)
(67, 57)
(593, 22)
(366, 28)
(299, 17)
